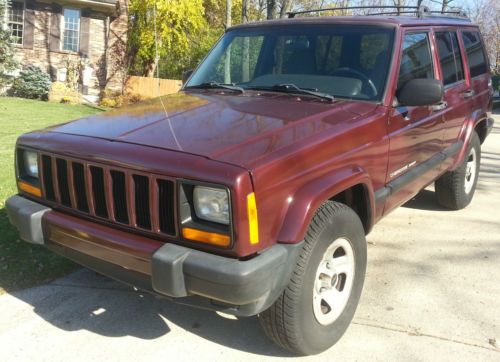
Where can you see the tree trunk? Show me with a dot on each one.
(244, 11)
(285, 8)
(271, 9)
(445, 5)
(398, 3)
(245, 70)
(151, 69)
(227, 63)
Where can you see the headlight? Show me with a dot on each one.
(30, 159)
(211, 204)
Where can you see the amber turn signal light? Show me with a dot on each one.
(253, 220)
(23, 186)
(206, 237)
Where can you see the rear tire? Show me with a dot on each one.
(455, 189)
(317, 306)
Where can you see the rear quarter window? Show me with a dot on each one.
(475, 53)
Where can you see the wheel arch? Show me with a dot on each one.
(475, 122)
(481, 129)
(351, 186)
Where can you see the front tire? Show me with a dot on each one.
(317, 306)
(455, 189)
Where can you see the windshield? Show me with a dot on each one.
(345, 61)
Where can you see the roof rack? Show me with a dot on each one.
(420, 11)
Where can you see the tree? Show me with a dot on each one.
(487, 15)
(271, 9)
(178, 23)
(7, 61)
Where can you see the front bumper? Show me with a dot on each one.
(186, 275)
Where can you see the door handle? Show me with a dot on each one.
(439, 107)
(468, 93)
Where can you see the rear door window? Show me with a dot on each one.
(416, 60)
(475, 53)
(449, 57)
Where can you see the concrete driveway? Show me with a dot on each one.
(432, 293)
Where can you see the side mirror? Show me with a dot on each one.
(186, 75)
(420, 92)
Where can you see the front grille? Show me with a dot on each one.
(79, 184)
(120, 196)
(126, 197)
(99, 192)
(62, 180)
(48, 179)
(141, 185)
(166, 206)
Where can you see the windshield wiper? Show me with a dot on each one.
(212, 85)
(292, 88)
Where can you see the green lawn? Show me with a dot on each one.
(22, 264)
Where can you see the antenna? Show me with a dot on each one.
(157, 61)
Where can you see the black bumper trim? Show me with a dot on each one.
(230, 281)
(26, 216)
(239, 287)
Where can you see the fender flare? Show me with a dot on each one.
(311, 196)
(466, 134)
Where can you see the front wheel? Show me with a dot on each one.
(455, 189)
(318, 304)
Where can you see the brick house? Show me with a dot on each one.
(58, 35)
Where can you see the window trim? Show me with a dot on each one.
(483, 49)
(386, 94)
(8, 22)
(63, 29)
(432, 51)
(460, 51)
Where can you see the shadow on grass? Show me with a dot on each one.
(24, 265)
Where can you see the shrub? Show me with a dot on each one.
(32, 83)
(7, 62)
(114, 99)
(64, 93)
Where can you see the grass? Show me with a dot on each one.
(21, 264)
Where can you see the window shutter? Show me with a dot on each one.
(84, 33)
(29, 25)
(55, 28)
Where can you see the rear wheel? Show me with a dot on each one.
(455, 189)
(318, 305)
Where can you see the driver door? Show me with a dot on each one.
(415, 133)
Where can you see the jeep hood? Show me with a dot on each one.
(237, 129)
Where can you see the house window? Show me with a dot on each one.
(15, 22)
(71, 26)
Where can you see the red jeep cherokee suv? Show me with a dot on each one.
(251, 190)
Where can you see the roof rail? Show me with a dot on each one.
(420, 11)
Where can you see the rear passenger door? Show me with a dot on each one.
(478, 69)
(457, 90)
